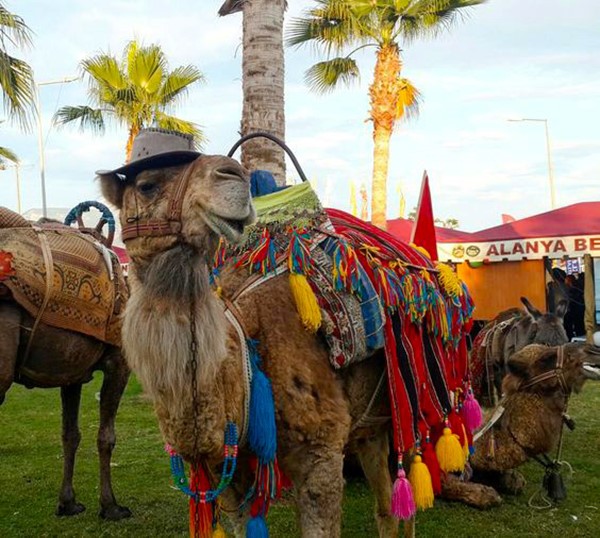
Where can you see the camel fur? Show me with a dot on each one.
(509, 332)
(316, 406)
(66, 359)
(533, 417)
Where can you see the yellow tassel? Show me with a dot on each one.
(449, 452)
(306, 302)
(420, 480)
(219, 532)
(449, 280)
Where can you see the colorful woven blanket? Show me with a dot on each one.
(369, 291)
(87, 289)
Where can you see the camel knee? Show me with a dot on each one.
(71, 437)
(106, 440)
(319, 497)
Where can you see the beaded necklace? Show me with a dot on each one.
(230, 452)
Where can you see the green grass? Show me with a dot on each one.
(31, 471)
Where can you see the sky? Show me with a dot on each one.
(537, 59)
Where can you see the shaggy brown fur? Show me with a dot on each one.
(61, 358)
(511, 331)
(532, 421)
(315, 406)
(530, 425)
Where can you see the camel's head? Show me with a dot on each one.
(193, 203)
(540, 369)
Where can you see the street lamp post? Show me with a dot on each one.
(38, 111)
(548, 154)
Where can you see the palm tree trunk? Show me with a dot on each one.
(263, 85)
(133, 132)
(381, 152)
(384, 94)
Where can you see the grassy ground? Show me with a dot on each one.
(31, 471)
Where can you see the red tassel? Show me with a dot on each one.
(201, 513)
(457, 427)
(430, 459)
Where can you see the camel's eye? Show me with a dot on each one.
(148, 188)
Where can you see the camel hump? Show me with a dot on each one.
(11, 219)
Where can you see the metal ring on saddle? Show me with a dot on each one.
(76, 214)
(277, 141)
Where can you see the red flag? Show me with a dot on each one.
(423, 232)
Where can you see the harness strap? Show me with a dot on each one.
(162, 227)
(49, 267)
(557, 372)
(234, 317)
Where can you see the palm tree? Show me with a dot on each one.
(136, 92)
(16, 76)
(7, 155)
(263, 69)
(335, 26)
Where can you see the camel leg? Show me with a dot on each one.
(470, 493)
(9, 345)
(319, 486)
(70, 396)
(373, 456)
(116, 374)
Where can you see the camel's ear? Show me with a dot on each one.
(112, 188)
(532, 310)
(561, 308)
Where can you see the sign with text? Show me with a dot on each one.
(517, 249)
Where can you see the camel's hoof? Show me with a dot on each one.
(115, 512)
(71, 508)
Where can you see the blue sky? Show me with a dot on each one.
(507, 59)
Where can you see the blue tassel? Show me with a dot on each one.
(257, 528)
(262, 433)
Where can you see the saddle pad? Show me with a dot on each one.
(86, 294)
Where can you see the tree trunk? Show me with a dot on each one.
(263, 85)
(384, 93)
(133, 132)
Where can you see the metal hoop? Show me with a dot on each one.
(277, 141)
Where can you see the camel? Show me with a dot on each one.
(537, 388)
(507, 333)
(317, 408)
(36, 354)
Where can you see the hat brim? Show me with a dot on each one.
(173, 158)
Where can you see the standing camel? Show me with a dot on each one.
(174, 207)
(35, 353)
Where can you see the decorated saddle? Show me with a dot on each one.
(365, 290)
(64, 277)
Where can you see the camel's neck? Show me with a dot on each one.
(157, 340)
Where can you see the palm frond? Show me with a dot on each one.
(409, 99)
(13, 29)
(326, 76)
(18, 88)
(172, 123)
(146, 67)
(8, 154)
(104, 71)
(178, 82)
(88, 118)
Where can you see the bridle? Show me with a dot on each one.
(170, 226)
(556, 372)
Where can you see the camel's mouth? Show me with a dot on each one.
(231, 229)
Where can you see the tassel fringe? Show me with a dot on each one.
(449, 452)
(420, 480)
(403, 503)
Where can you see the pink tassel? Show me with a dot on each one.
(403, 503)
(471, 412)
